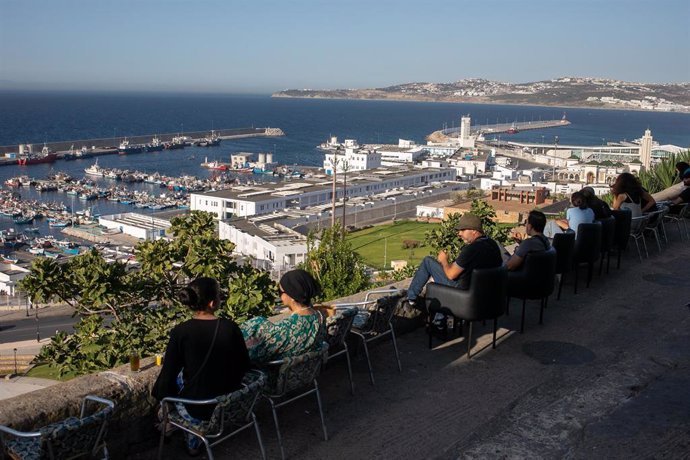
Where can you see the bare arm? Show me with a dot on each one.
(514, 262)
(618, 201)
(452, 270)
(651, 203)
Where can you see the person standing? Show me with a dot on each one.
(479, 251)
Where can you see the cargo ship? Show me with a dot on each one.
(46, 156)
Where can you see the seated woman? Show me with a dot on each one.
(601, 209)
(206, 356)
(298, 333)
(628, 194)
(580, 213)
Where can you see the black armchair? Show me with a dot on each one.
(608, 235)
(564, 244)
(587, 247)
(622, 231)
(535, 280)
(485, 299)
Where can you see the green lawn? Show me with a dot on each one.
(46, 371)
(385, 241)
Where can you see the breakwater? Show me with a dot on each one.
(110, 144)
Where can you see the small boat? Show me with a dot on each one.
(60, 223)
(51, 255)
(31, 230)
(513, 129)
(24, 220)
(36, 250)
(6, 259)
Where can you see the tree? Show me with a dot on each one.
(663, 174)
(445, 237)
(124, 312)
(334, 264)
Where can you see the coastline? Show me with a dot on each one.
(445, 101)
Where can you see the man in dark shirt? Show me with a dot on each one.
(480, 252)
(536, 241)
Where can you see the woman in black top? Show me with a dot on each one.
(208, 353)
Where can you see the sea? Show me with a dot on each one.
(37, 117)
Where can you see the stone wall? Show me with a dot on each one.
(132, 426)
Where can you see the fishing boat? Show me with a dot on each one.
(127, 148)
(177, 142)
(214, 165)
(94, 170)
(31, 230)
(36, 250)
(60, 223)
(6, 259)
(155, 145)
(25, 219)
(46, 156)
(513, 129)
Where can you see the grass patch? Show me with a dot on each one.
(46, 371)
(385, 241)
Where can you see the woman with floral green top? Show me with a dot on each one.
(297, 334)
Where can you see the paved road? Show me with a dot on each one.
(16, 326)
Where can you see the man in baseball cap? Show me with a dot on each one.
(479, 251)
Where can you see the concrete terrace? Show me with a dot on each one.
(606, 376)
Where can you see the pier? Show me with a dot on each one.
(105, 146)
(499, 128)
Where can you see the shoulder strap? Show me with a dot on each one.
(208, 355)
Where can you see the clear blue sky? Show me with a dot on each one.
(263, 46)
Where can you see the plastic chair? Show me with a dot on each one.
(485, 299)
(338, 327)
(236, 408)
(637, 227)
(380, 323)
(535, 280)
(291, 375)
(70, 438)
(621, 232)
(587, 247)
(608, 235)
(564, 245)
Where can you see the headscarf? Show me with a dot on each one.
(300, 285)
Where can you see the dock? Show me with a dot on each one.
(499, 128)
(107, 146)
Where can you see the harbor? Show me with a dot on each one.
(27, 154)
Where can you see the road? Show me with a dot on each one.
(16, 327)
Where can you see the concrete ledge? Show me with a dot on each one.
(135, 409)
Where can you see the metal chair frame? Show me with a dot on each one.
(682, 216)
(99, 442)
(313, 360)
(637, 228)
(379, 325)
(336, 333)
(216, 435)
(653, 226)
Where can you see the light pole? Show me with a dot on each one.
(345, 168)
(555, 148)
(334, 164)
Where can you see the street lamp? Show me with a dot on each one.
(334, 165)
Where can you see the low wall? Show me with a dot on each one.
(132, 427)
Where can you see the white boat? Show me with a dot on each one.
(94, 170)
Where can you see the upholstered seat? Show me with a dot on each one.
(485, 299)
(234, 409)
(587, 249)
(535, 280)
(72, 437)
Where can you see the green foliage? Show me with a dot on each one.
(445, 238)
(663, 175)
(404, 273)
(134, 312)
(333, 262)
(493, 230)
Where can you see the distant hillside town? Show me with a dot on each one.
(565, 91)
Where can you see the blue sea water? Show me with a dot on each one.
(38, 117)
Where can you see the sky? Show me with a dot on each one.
(258, 46)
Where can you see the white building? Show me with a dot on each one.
(250, 200)
(274, 247)
(10, 275)
(142, 226)
(466, 139)
(353, 159)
